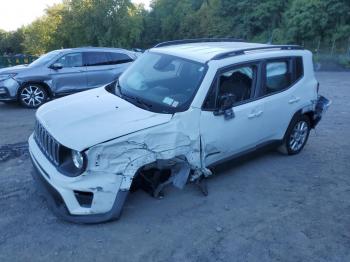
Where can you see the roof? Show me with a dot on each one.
(90, 48)
(205, 51)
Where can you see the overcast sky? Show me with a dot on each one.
(15, 13)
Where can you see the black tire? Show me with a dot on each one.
(296, 136)
(32, 95)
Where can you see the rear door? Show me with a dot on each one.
(282, 93)
(99, 70)
(71, 77)
(119, 62)
(104, 67)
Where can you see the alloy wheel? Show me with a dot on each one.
(32, 96)
(299, 135)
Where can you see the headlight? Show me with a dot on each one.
(78, 159)
(72, 163)
(6, 76)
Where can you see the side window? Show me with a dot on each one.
(278, 76)
(238, 82)
(96, 58)
(71, 60)
(118, 58)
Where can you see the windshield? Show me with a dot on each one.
(45, 58)
(161, 83)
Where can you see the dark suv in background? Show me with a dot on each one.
(62, 72)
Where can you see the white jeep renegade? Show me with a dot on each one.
(181, 108)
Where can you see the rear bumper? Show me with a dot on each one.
(322, 105)
(62, 198)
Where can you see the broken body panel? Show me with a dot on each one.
(119, 139)
(112, 165)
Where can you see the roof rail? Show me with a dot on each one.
(197, 40)
(243, 51)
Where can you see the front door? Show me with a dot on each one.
(71, 77)
(225, 137)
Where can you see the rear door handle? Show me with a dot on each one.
(294, 100)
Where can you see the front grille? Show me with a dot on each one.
(48, 145)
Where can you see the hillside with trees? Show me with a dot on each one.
(120, 23)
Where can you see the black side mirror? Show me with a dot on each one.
(225, 105)
(56, 66)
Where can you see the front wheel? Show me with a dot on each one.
(296, 136)
(32, 95)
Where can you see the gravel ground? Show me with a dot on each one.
(267, 208)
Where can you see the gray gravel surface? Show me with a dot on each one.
(269, 207)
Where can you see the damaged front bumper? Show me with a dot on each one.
(78, 199)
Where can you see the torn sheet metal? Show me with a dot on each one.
(181, 173)
(126, 155)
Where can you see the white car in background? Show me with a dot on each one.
(178, 110)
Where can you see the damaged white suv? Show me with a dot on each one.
(181, 108)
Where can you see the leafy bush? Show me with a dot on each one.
(345, 61)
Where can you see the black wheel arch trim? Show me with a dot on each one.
(34, 82)
(309, 113)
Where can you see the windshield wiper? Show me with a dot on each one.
(132, 98)
(143, 103)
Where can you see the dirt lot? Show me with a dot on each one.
(268, 208)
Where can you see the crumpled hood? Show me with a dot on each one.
(13, 69)
(88, 118)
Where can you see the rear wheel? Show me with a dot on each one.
(32, 95)
(296, 136)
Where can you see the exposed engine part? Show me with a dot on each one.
(154, 180)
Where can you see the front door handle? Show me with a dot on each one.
(294, 100)
(259, 113)
(254, 114)
(251, 115)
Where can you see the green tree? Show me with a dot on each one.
(120, 23)
(11, 42)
